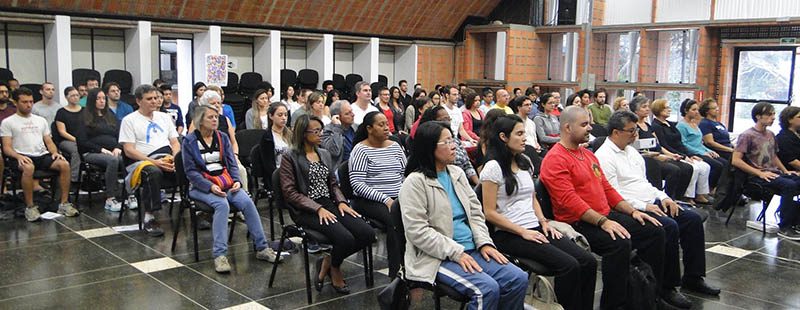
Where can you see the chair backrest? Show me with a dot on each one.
(278, 197)
(344, 181)
(248, 82)
(599, 131)
(597, 143)
(121, 77)
(350, 81)
(35, 88)
(308, 78)
(383, 80)
(288, 78)
(376, 87)
(180, 173)
(6, 75)
(544, 199)
(399, 228)
(248, 139)
(338, 82)
(81, 74)
(233, 83)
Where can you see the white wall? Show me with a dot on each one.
(155, 72)
(683, 10)
(242, 53)
(618, 12)
(386, 61)
(293, 55)
(26, 53)
(3, 63)
(109, 50)
(741, 9)
(343, 58)
(81, 50)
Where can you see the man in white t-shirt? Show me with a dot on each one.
(28, 143)
(456, 116)
(148, 135)
(363, 104)
(47, 107)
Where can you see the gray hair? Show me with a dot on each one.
(200, 112)
(359, 85)
(619, 119)
(336, 106)
(208, 95)
(637, 102)
(143, 89)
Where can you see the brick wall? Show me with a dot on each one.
(526, 58)
(435, 65)
(649, 54)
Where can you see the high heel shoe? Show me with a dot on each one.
(344, 290)
(319, 282)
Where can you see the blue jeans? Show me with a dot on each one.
(787, 186)
(497, 287)
(219, 225)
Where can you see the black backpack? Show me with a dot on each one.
(641, 285)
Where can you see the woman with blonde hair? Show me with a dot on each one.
(256, 117)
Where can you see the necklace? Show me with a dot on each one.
(573, 154)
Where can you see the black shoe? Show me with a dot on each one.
(700, 286)
(153, 229)
(674, 298)
(318, 283)
(344, 290)
(202, 224)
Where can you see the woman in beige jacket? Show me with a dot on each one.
(445, 229)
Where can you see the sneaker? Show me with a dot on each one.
(771, 228)
(268, 254)
(132, 203)
(164, 198)
(67, 209)
(32, 214)
(787, 233)
(221, 264)
(314, 248)
(153, 229)
(113, 205)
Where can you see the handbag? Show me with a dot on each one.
(395, 296)
(224, 179)
(544, 296)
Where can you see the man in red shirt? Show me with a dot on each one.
(582, 196)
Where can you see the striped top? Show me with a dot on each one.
(377, 173)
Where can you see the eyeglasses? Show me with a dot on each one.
(314, 131)
(632, 130)
(447, 142)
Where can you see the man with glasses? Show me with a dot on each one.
(624, 169)
(47, 107)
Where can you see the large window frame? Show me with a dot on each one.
(735, 101)
(614, 54)
(686, 60)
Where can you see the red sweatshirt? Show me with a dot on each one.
(576, 186)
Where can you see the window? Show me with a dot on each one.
(760, 74)
(677, 56)
(561, 63)
(622, 57)
(674, 98)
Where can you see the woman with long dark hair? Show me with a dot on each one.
(275, 141)
(412, 112)
(692, 138)
(509, 202)
(376, 173)
(396, 104)
(308, 182)
(97, 141)
(446, 234)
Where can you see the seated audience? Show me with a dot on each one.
(300, 108)
(670, 139)
(546, 123)
(67, 126)
(363, 104)
(472, 114)
(452, 95)
(582, 197)
(446, 235)
(624, 169)
(376, 173)
(533, 95)
(98, 143)
(692, 138)
(421, 105)
(212, 98)
(621, 104)
(715, 134)
(7, 108)
(90, 83)
(288, 96)
(47, 107)
(115, 104)
(788, 139)
(308, 182)
(510, 204)
(412, 112)
(150, 143)
(315, 106)
(208, 157)
(227, 110)
(171, 108)
(275, 141)
(522, 106)
(488, 100)
(338, 136)
(398, 104)
(755, 154)
(385, 106)
(440, 114)
(256, 117)
(197, 91)
(502, 97)
(29, 146)
(332, 96)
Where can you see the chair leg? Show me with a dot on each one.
(271, 219)
(307, 267)
(275, 264)
(437, 301)
(78, 186)
(371, 265)
(733, 208)
(365, 262)
(139, 211)
(233, 225)
(177, 226)
(193, 217)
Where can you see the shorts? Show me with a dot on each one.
(43, 162)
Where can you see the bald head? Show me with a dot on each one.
(575, 126)
(571, 114)
(502, 97)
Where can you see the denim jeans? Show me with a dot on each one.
(219, 226)
(112, 164)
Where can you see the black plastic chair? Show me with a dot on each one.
(350, 81)
(168, 182)
(294, 230)
(248, 83)
(35, 88)
(92, 174)
(308, 78)
(247, 139)
(80, 75)
(12, 176)
(6, 75)
(262, 188)
(233, 84)
(383, 80)
(121, 77)
(755, 191)
(339, 82)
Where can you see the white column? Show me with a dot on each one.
(209, 42)
(58, 54)
(405, 64)
(365, 60)
(320, 57)
(500, 56)
(267, 60)
(138, 53)
(184, 67)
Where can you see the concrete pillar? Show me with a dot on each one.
(209, 42)
(365, 60)
(267, 60)
(58, 55)
(500, 56)
(320, 58)
(138, 53)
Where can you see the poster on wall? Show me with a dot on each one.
(217, 70)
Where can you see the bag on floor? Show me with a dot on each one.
(544, 296)
(395, 296)
(641, 285)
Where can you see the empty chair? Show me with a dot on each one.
(233, 83)
(80, 75)
(308, 78)
(383, 80)
(248, 83)
(338, 82)
(121, 77)
(35, 88)
(288, 78)
(350, 81)
(6, 75)
(376, 87)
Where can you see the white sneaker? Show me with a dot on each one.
(131, 202)
(32, 214)
(221, 264)
(68, 209)
(113, 205)
(771, 228)
(268, 254)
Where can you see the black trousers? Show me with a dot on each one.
(152, 177)
(685, 230)
(377, 211)
(575, 268)
(647, 239)
(349, 234)
(718, 165)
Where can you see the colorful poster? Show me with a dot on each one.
(217, 70)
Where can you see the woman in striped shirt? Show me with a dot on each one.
(376, 172)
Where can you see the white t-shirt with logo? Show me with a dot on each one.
(359, 113)
(148, 135)
(27, 133)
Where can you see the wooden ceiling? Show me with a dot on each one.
(437, 19)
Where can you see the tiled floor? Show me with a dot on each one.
(80, 263)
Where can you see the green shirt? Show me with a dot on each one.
(600, 114)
